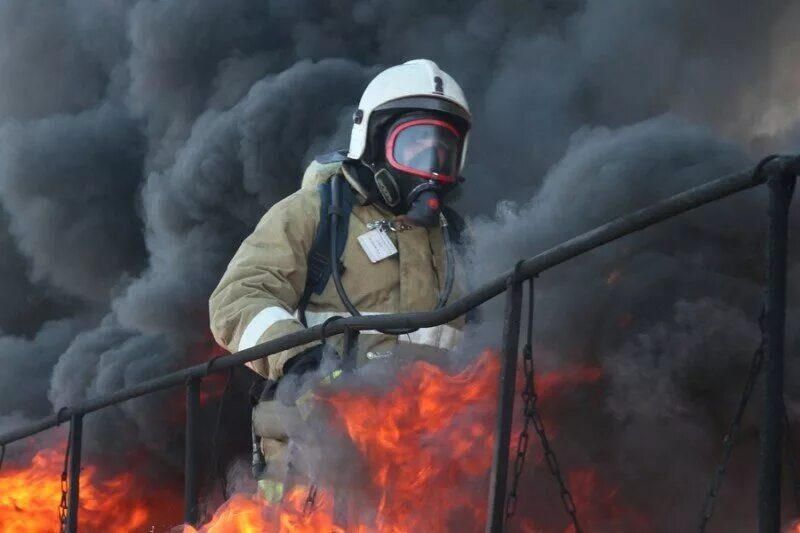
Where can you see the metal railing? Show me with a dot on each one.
(778, 172)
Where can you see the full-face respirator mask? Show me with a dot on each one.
(418, 166)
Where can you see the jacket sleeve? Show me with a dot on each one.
(256, 299)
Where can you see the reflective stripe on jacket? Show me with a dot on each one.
(257, 298)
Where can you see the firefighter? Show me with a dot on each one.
(390, 250)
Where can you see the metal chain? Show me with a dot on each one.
(791, 449)
(527, 398)
(522, 443)
(532, 416)
(62, 507)
(733, 430)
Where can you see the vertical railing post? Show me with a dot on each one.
(74, 483)
(350, 349)
(505, 405)
(191, 455)
(769, 478)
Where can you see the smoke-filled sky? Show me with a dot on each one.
(140, 142)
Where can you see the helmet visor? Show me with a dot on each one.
(425, 147)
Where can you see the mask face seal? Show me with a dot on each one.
(388, 188)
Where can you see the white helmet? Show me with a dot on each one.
(416, 84)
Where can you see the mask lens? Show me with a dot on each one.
(426, 148)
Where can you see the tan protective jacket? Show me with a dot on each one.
(257, 298)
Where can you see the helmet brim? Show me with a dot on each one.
(430, 103)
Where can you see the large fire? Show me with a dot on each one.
(427, 445)
(30, 495)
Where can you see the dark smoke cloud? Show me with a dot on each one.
(670, 313)
(26, 305)
(32, 361)
(233, 163)
(140, 141)
(69, 187)
(51, 59)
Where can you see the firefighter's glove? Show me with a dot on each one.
(299, 375)
(304, 362)
(301, 379)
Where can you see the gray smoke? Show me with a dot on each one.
(670, 313)
(141, 141)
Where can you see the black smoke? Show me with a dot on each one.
(140, 142)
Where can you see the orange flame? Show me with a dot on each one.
(427, 444)
(421, 485)
(250, 514)
(30, 496)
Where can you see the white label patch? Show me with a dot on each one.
(377, 245)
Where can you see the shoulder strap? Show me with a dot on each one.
(319, 261)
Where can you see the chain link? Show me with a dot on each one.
(733, 430)
(522, 444)
(527, 398)
(532, 417)
(62, 506)
(791, 449)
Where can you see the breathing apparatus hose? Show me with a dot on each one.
(335, 213)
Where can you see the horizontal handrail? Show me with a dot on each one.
(620, 227)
